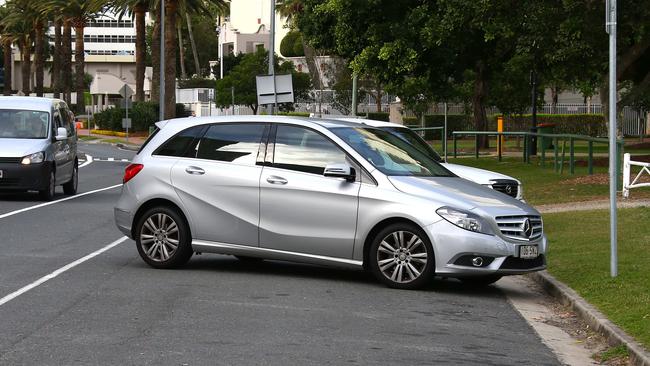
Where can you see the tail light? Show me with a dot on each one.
(131, 171)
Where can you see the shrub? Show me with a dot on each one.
(291, 45)
(294, 114)
(378, 116)
(143, 115)
(578, 124)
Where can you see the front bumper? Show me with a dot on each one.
(16, 176)
(454, 247)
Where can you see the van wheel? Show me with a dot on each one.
(48, 193)
(70, 188)
(401, 256)
(163, 238)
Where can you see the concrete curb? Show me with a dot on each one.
(595, 319)
(128, 147)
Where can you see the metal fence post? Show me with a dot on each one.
(500, 145)
(543, 153)
(525, 148)
(619, 156)
(572, 169)
(476, 146)
(455, 146)
(590, 159)
(556, 166)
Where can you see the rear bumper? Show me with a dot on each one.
(24, 177)
(123, 221)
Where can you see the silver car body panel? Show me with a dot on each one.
(312, 218)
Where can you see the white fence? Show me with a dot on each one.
(627, 175)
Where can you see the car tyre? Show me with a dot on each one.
(70, 188)
(480, 281)
(47, 194)
(401, 256)
(163, 238)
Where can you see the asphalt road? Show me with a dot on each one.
(113, 309)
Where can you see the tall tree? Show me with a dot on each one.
(20, 20)
(7, 39)
(79, 13)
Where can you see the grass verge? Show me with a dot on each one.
(579, 255)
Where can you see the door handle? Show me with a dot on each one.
(194, 170)
(274, 179)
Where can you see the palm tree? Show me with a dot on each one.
(19, 22)
(7, 39)
(78, 13)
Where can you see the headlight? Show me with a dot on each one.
(33, 158)
(465, 220)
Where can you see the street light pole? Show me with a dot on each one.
(162, 61)
(272, 56)
(610, 25)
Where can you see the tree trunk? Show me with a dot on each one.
(66, 61)
(197, 65)
(181, 54)
(171, 7)
(478, 103)
(310, 58)
(252, 106)
(39, 57)
(57, 82)
(378, 97)
(79, 65)
(155, 58)
(555, 92)
(140, 51)
(8, 61)
(25, 68)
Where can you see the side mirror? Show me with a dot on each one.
(61, 134)
(340, 170)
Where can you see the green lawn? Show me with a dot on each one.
(579, 256)
(544, 186)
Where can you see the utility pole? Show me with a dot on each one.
(272, 56)
(162, 61)
(610, 26)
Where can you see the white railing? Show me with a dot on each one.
(627, 172)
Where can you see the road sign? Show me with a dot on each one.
(126, 123)
(271, 90)
(126, 103)
(126, 92)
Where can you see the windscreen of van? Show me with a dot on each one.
(23, 124)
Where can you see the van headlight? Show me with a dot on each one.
(33, 158)
(465, 220)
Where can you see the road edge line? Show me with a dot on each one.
(59, 271)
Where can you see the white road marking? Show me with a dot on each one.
(63, 269)
(89, 160)
(111, 159)
(2, 216)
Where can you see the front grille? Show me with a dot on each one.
(518, 263)
(10, 160)
(506, 186)
(515, 227)
(9, 182)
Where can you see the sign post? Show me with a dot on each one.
(126, 92)
(610, 26)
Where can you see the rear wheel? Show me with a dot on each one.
(47, 194)
(401, 256)
(163, 238)
(70, 188)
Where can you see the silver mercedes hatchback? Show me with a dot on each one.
(321, 192)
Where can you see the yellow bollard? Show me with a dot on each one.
(500, 138)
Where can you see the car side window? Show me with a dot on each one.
(235, 143)
(182, 144)
(304, 150)
(65, 121)
(56, 122)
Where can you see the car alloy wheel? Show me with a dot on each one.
(163, 238)
(402, 257)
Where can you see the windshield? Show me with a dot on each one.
(390, 153)
(21, 124)
(414, 139)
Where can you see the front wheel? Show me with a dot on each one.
(47, 194)
(163, 238)
(401, 256)
(70, 188)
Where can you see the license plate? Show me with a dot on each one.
(528, 251)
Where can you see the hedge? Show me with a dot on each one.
(378, 116)
(579, 124)
(294, 114)
(143, 115)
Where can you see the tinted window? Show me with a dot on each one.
(182, 143)
(304, 150)
(235, 143)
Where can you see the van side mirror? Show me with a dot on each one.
(61, 134)
(340, 170)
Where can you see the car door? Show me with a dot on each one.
(218, 182)
(60, 150)
(300, 209)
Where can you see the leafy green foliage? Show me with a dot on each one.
(143, 115)
(378, 116)
(291, 45)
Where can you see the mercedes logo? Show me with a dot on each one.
(527, 228)
(509, 189)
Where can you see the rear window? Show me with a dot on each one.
(154, 133)
(181, 143)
